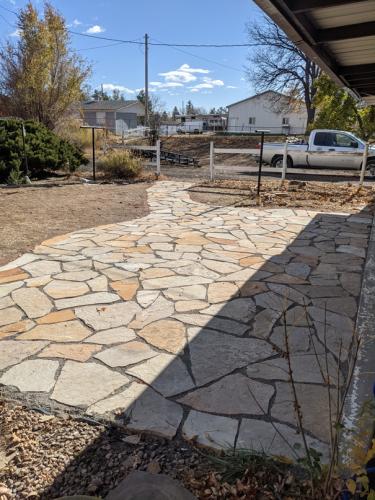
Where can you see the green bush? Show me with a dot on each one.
(120, 165)
(45, 150)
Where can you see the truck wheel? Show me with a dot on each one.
(371, 167)
(277, 162)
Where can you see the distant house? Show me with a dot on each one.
(210, 121)
(268, 110)
(117, 116)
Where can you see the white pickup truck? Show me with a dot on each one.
(325, 149)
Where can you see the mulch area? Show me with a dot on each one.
(319, 196)
(32, 214)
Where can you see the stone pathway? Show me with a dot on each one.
(174, 322)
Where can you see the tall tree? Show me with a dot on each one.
(155, 107)
(189, 110)
(40, 76)
(337, 109)
(277, 64)
(175, 113)
(100, 95)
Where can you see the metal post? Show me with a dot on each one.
(364, 165)
(158, 157)
(260, 164)
(93, 154)
(146, 81)
(285, 161)
(211, 161)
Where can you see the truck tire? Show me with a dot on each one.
(277, 162)
(371, 166)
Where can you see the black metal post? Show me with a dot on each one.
(26, 163)
(93, 154)
(260, 163)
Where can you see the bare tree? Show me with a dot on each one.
(277, 64)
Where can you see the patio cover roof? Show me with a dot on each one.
(339, 35)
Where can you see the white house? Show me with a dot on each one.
(269, 110)
(117, 116)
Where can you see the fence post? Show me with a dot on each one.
(285, 161)
(364, 164)
(158, 157)
(211, 161)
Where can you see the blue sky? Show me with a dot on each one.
(208, 76)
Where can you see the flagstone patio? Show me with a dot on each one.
(173, 323)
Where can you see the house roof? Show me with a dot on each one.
(108, 105)
(339, 35)
(258, 95)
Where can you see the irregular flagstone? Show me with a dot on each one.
(298, 338)
(351, 282)
(213, 322)
(126, 289)
(275, 439)
(42, 267)
(146, 297)
(64, 289)
(232, 395)
(186, 292)
(66, 331)
(220, 292)
(237, 309)
(18, 327)
(38, 281)
(15, 351)
(32, 301)
(15, 274)
(77, 352)
(167, 335)
(83, 275)
(9, 315)
(83, 384)
(91, 298)
(117, 335)
(56, 317)
(251, 288)
(116, 274)
(21, 261)
(126, 354)
(156, 273)
(298, 269)
(160, 309)
(190, 305)
(167, 374)
(110, 316)
(196, 269)
(341, 305)
(6, 302)
(313, 400)
(214, 354)
(174, 281)
(99, 284)
(264, 322)
(34, 375)
(271, 300)
(220, 267)
(5, 290)
(289, 293)
(210, 430)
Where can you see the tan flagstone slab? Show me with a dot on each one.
(83, 384)
(15, 351)
(91, 298)
(9, 287)
(192, 292)
(38, 281)
(168, 335)
(117, 335)
(11, 275)
(60, 289)
(42, 267)
(108, 316)
(83, 275)
(57, 317)
(126, 354)
(66, 331)
(115, 274)
(220, 292)
(156, 273)
(76, 352)
(99, 284)
(32, 301)
(34, 375)
(9, 315)
(6, 302)
(125, 289)
(190, 305)
(146, 297)
(18, 327)
(210, 430)
(159, 309)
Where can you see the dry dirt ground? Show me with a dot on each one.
(325, 197)
(30, 215)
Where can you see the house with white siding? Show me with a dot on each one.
(117, 116)
(269, 110)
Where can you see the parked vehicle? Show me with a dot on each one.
(191, 127)
(324, 149)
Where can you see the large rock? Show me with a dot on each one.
(145, 486)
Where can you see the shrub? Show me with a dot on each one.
(45, 150)
(120, 164)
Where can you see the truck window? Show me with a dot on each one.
(343, 141)
(323, 139)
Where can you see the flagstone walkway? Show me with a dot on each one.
(174, 322)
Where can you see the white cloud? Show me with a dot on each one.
(110, 87)
(16, 33)
(183, 74)
(95, 29)
(231, 87)
(214, 83)
(166, 85)
(208, 83)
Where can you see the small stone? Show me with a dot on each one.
(126, 354)
(126, 289)
(66, 331)
(132, 439)
(32, 376)
(168, 335)
(210, 430)
(32, 301)
(153, 467)
(59, 289)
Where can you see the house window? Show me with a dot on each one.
(285, 121)
(100, 117)
(252, 120)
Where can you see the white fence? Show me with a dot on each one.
(214, 151)
(149, 148)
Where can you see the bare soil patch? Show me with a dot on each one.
(30, 215)
(318, 196)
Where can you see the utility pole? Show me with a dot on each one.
(146, 81)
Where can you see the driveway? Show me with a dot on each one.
(175, 323)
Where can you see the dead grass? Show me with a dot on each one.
(319, 196)
(29, 215)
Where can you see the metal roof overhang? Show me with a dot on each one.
(339, 35)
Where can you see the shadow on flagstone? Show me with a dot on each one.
(200, 354)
